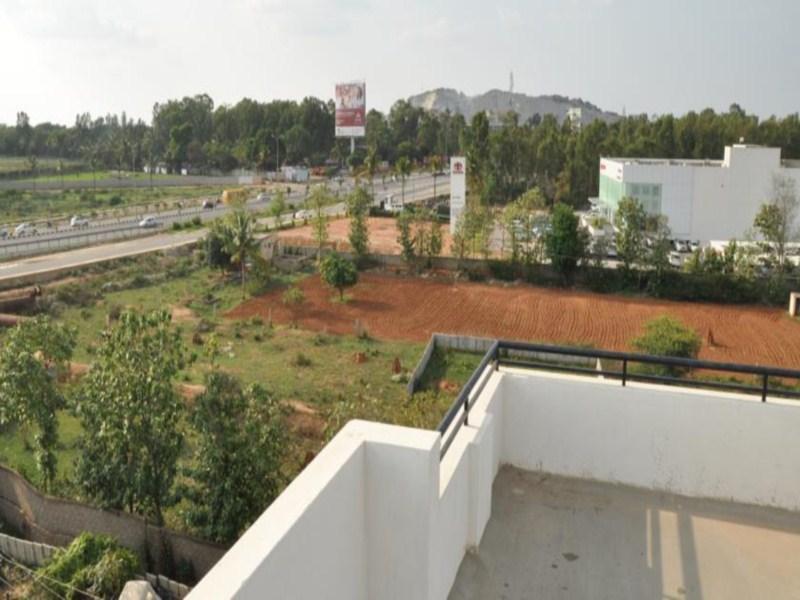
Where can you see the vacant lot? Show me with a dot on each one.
(412, 309)
(383, 235)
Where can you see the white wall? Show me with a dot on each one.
(377, 515)
(682, 441)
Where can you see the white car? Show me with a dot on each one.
(24, 229)
(148, 221)
(676, 259)
(262, 197)
(302, 215)
(76, 222)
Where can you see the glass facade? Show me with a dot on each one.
(612, 191)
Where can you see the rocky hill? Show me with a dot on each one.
(498, 101)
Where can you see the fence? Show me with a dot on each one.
(466, 343)
(557, 358)
(57, 521)
(34, 554)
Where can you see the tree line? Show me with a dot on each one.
(504, 160)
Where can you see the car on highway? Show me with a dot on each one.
(3, 234)
(302, 215)
(77, 222)
(209, 204)
(24, 229)
(262, 197)
(148, 221)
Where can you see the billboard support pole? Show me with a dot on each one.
(352, 145)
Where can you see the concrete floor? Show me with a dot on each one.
(554, 537)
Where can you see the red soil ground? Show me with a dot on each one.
(412, 309)
(382, 235)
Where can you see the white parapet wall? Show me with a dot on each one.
(378, 515)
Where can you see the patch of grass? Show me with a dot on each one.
(449, 366)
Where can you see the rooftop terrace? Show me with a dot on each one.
(552, 476)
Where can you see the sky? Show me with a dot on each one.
(61, 58)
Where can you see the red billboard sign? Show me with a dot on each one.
(351, 109)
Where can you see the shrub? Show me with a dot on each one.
(665, 336)
(301, 360)
(338, 272)
(93, 563)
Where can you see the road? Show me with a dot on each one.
(11, 272)
(62, 237)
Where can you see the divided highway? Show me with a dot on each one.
(52, 260)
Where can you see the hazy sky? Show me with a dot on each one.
(60, 58)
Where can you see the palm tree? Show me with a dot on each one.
(239, 239)
(403, 168)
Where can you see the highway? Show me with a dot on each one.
(62, 237)
(22, 269)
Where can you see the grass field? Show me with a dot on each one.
(16, 205)
(323, 379)
(9, 164)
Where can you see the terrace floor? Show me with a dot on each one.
(555, 537)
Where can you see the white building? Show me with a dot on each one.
(656, 491)
(702, 199)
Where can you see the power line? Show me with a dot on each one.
(38, 575)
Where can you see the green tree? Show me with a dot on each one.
(318, 199)
(630, 220)
(131, 413)
(665, 336)
(240, 441)
(293, 298)
(776, 219)
(657, 256)
(358, 202)
(34, 355)
(371, 167)
(567, 242)
(217, 256)
(403, 170)
(277, 207)
(405, 236)
(338, 272)
(240, 240)
(436, 165)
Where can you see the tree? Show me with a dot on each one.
(33, 163)
(358, 207)
(406, 237)
(371, 167)
(436, 166)
(403, 169)
(278, 207)
(567, 241)
(240, 240)
(293, 299)
(775, 221)
(217, 255)
(338, 272)
(631, 221)
(239, 445)
(665, 336)
(130, 411)
(34, 355)
(319, 198)
(657, 256)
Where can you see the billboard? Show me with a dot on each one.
(351, 109)
(458, 189)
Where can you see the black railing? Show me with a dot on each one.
(662, 370)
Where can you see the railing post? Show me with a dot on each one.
(764, 387)
(624, 371)
(466, 409)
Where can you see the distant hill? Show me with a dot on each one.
(498, 102)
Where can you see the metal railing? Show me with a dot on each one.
(668, 371)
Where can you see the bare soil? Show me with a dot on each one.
(406, 308)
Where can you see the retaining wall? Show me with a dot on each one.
(56, 522)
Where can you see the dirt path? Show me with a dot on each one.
(413, 309)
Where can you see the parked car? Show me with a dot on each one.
(148, 221)
(24, 229)
(77, 222)
(676, 259)
(209, 204)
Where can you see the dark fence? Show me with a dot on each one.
(770, 382)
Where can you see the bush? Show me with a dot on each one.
(301, 360)
(93, 563)
(665, 336)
